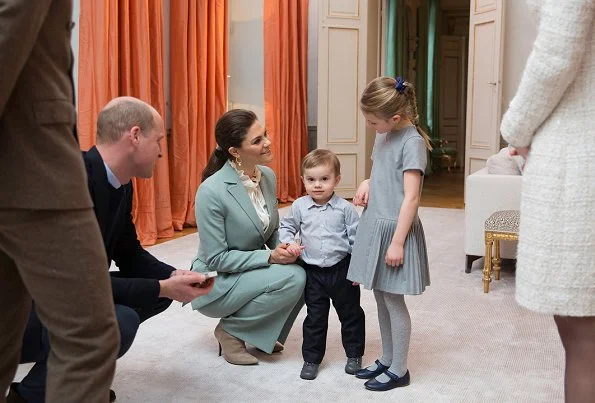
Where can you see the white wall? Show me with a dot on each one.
(520, 31)
(246, 56)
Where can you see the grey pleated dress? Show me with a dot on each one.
(393, 154)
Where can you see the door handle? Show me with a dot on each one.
(492, 83)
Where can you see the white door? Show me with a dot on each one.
(452, 97)
(348, 37)
(484, 87)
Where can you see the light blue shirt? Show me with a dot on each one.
(327, 232)
(111, 178)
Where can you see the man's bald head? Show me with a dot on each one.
(122, 114)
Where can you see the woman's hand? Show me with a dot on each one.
(362, 194)
(394, 255)
(281, 255)
(522, 151)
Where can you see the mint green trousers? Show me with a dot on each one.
(262, 305)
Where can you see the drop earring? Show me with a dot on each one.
(238, 161)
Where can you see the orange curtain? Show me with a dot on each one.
(121, 53)
(285, 67)
(198, 52)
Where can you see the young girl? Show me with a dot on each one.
(389, 255)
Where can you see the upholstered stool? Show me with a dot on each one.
(501, 226)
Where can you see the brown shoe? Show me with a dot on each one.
(15, 397)
(234, 349)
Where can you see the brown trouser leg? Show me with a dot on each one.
(58, 259)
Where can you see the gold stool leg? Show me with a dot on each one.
(496, 261)
(487, 265)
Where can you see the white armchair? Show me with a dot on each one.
(485, 194)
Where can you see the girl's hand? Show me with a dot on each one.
(295, 249)
(394, 255)
(362, 194)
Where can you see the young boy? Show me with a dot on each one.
(326, 224)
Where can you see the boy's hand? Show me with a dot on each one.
(281, 255)
(295, 249)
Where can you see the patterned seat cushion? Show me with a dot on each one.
(504, 221)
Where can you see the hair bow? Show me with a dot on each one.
(400, 84)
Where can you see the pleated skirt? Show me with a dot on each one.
(368, 266)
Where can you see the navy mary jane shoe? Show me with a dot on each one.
(365, 373)
(393, 382)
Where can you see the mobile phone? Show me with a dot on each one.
(210, 276)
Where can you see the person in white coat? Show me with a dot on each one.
(550, 122)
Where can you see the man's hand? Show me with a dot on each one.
(179, 272)
(281, 255)
(185, 286)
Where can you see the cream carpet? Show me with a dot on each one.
(466, 346)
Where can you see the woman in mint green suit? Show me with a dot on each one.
(259, 289)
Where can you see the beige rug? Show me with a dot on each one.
(466, 346)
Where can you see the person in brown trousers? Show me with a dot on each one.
(51, 249)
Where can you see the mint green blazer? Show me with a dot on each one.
(231, 237)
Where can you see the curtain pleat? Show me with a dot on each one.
(121, 53)
(285, 81)
(198, 80)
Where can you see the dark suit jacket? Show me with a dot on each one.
(137, 283)
(40, 160)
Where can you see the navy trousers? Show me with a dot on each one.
(323, 285)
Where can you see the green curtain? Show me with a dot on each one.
(427, 64)
(396, 58)
(433, 69)
(421, 70)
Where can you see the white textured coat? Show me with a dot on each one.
(553, 112)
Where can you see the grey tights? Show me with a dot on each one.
(395, 332)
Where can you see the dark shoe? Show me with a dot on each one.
(393, 382)
(13, 395)
(309, 371)
(353, 364)
(365, 373)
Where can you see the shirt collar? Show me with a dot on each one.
(332, 202)
(111, 178)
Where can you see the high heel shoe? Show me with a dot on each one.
(276, 349)
(233, 349)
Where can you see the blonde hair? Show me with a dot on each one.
(382, 99)
(320, 157)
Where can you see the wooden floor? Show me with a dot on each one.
(442, 189)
